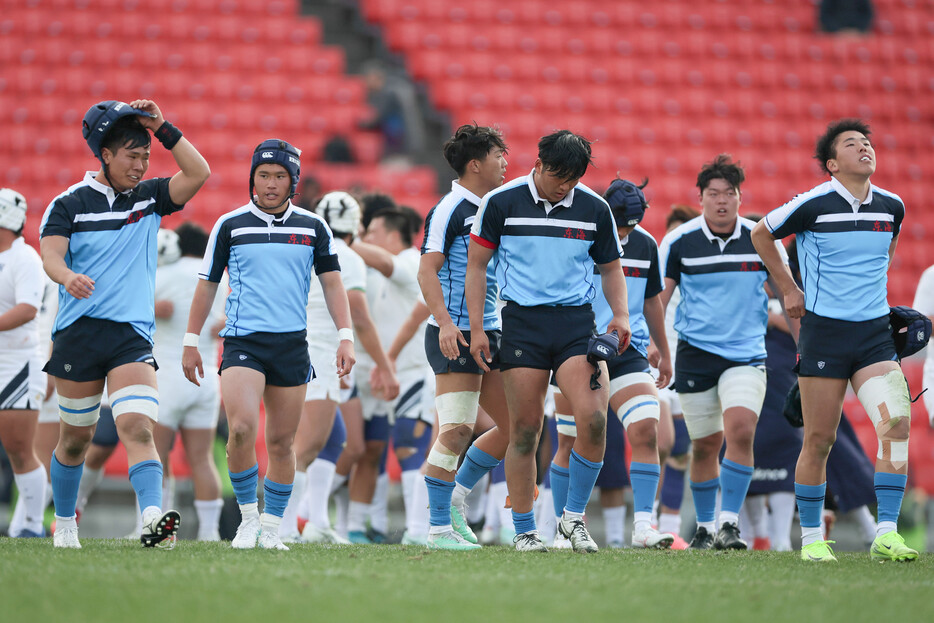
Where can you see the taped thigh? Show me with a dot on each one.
(742, 386)
(136, 399)
(80, 411)
(638, 408)
(702, 413)
(624, 381)
(886, 400)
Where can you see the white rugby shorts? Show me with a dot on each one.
(182, 404)
(22, 381)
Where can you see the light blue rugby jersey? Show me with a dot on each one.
(112, 240)
(447, 231)
(843, 248)
(643, 281)
(724, 307)
(269, 262)
(545, 254)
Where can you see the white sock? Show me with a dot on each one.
(490, 510)
(250, 510)
(729, 517)
(357, 513)
(168, 492)
(288, 527)
(459, 494)
(31, 486)
(416, 518)
(148, 514)
(90, 479)
(670, 523)
(476, 500)
(379, 516)
(709, 526)
(209, 518)
(782, 507)
(571, 515)
(270, 523)
(18, 520)
(498, 499)
(318, 485)
(341, 502)
(811, 535)
(408, 491)
(884, 527)
(754, 516)
(866, 521)
(615, 519)
(339, 480)
(545, 516)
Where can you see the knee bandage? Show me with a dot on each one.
(638, 408)
(742, 386)
(886, 400)
(80, 411)
(136, 399)
(702, 413)
(627, 380)
(566, 425)
(455, 409)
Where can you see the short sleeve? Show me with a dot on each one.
(654, 284)
(669, 255)
(217, 253)
(58, 219)
(440, 230)
(325, 253)
(404, 268)
(164, 205)
(899, 214)
(606, 247)
(794, 217)
(488, 225)
(29, 281)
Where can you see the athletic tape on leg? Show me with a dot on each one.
(457, 408)
(702, 414)
(639, 408)
(443, 460)
(886, 400)
(626, 380)
(566, 425)
(742, 386)
(80, 411)
(136, 399)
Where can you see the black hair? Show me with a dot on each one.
(192, 239)
(471, 142)
(826, 148)
(126, 132)
(680, 213)
(722, 168)
(565, 154)
(415, 220)
(372, 204)
(400, 220)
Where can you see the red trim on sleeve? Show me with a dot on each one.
(482, 242)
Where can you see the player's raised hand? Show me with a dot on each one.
(155, 119)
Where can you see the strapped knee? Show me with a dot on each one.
(80, 411)
(455, 409)
(638, 408)
(885, 398)
(136, 399)
(566, 425)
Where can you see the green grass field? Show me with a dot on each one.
(111, 580)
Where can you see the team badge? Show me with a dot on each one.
(242, 357)
(67, 367)
(518, 353)
(820, 365)
(462, 360)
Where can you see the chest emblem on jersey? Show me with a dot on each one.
(134, 217)
(572, 233)
(820, 365)
(296, 239)
(882, 226)
(750, 267)
(630, 271)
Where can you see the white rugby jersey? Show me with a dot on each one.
(22, 280)
(176, 282)
(321, 328)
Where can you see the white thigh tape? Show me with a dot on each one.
(136, 399)
(886, 400)
(639, 408)
(445, 461)
(742, 386)
(566, 425)
(622, 382)
(457, 408)
(80, 411)
(702, 413)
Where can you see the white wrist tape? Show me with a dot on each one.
(191, 339)
(345, 334)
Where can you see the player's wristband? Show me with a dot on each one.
(191, 339)
(345, 334)
(168, 135)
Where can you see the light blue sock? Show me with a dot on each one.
(644, 478)
(560, 479)
(734, 482)
(244, 484)
(705, 499)
(439, 501)
(582, 475)
(275, 497)
(890, 489)
(810, 499)
(523, 522)
(65, 480)
(146, 478)
(476, 464)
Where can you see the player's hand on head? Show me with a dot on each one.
(480, 349)
(449, 338)
(346, 358)
(192, 365)
(155, 118)
(79, 286)
(794, 303)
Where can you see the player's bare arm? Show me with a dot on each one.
(369, 339)
(449, 336)
(655, 319)
(335, 296)
(478, 257)
(793, 297)
(53, 250)
(201, 304)
(614, 289)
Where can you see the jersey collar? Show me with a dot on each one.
(566, 202)
(737, 232)
(104, 189)
(851, 201)
(463, 193)
(269, 219)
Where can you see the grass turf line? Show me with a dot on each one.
(117, 580)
